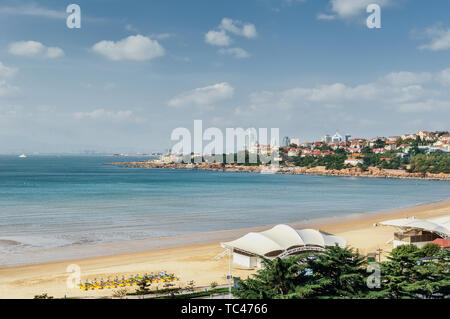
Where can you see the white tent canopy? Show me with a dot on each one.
(282, 238)
(438, 226)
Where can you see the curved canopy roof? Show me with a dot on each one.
(281, 238)
(438, 225)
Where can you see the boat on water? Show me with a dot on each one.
(22, 156)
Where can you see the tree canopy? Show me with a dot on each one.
(409, 272)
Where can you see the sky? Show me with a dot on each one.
(136, 70)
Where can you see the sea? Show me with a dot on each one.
(55, 201)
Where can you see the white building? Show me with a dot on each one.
(280, 241)
(295, 141)
(354, 161)
(336, 137)
(418, 232)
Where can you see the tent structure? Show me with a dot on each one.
(279, 241)
(418, 231)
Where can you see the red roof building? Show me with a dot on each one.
(444, 243)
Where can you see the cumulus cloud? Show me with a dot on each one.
(220, 36)
(407, 78)
(404, 92)
(238, 53)
(217, 38)
(205, 96)
(247, 30)
(35, 49)
(439, 39)
(135, 48)
(345, 9)
(102, 114)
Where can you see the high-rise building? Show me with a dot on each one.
(326, 139)
(347, 137)
(286, 141)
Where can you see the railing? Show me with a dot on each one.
(292, 251)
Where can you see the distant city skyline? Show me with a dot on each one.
(135, 71)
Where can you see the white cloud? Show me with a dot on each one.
(440, 39)
(401, 92)
(6, 72)
(205, 96)
(102, 114)
(136, 48)
(33, 10)
(424, 106)
(220, 37)
(238, 53)
(247, 30)
(444, 77)
(217, 38)
(35, 49)
(346, 9)
(407, 78)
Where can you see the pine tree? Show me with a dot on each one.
(337, 273)
(276, 279)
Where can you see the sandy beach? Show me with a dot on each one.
(191, 257)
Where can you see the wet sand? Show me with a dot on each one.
(191, 257)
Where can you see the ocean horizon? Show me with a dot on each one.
(54, 201)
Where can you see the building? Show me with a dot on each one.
(326, 139)
(336, 137)
(417, 231)
(347, 138)
(280, 241)
(295, 141)
(293, 152)
(443, 243)
(353, 161)
(286, 141)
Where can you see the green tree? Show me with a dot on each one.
(405, 275)
(276, 279)
(337, 273)
(430, 250)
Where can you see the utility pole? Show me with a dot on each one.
(379, 251)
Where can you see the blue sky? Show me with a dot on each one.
(138, 69)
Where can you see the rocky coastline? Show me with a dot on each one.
(373, 172)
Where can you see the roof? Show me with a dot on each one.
(440, 226)
(444, 243)
(281, 238)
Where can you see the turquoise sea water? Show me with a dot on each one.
(56, 201)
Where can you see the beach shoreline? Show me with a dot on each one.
(191, 256)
